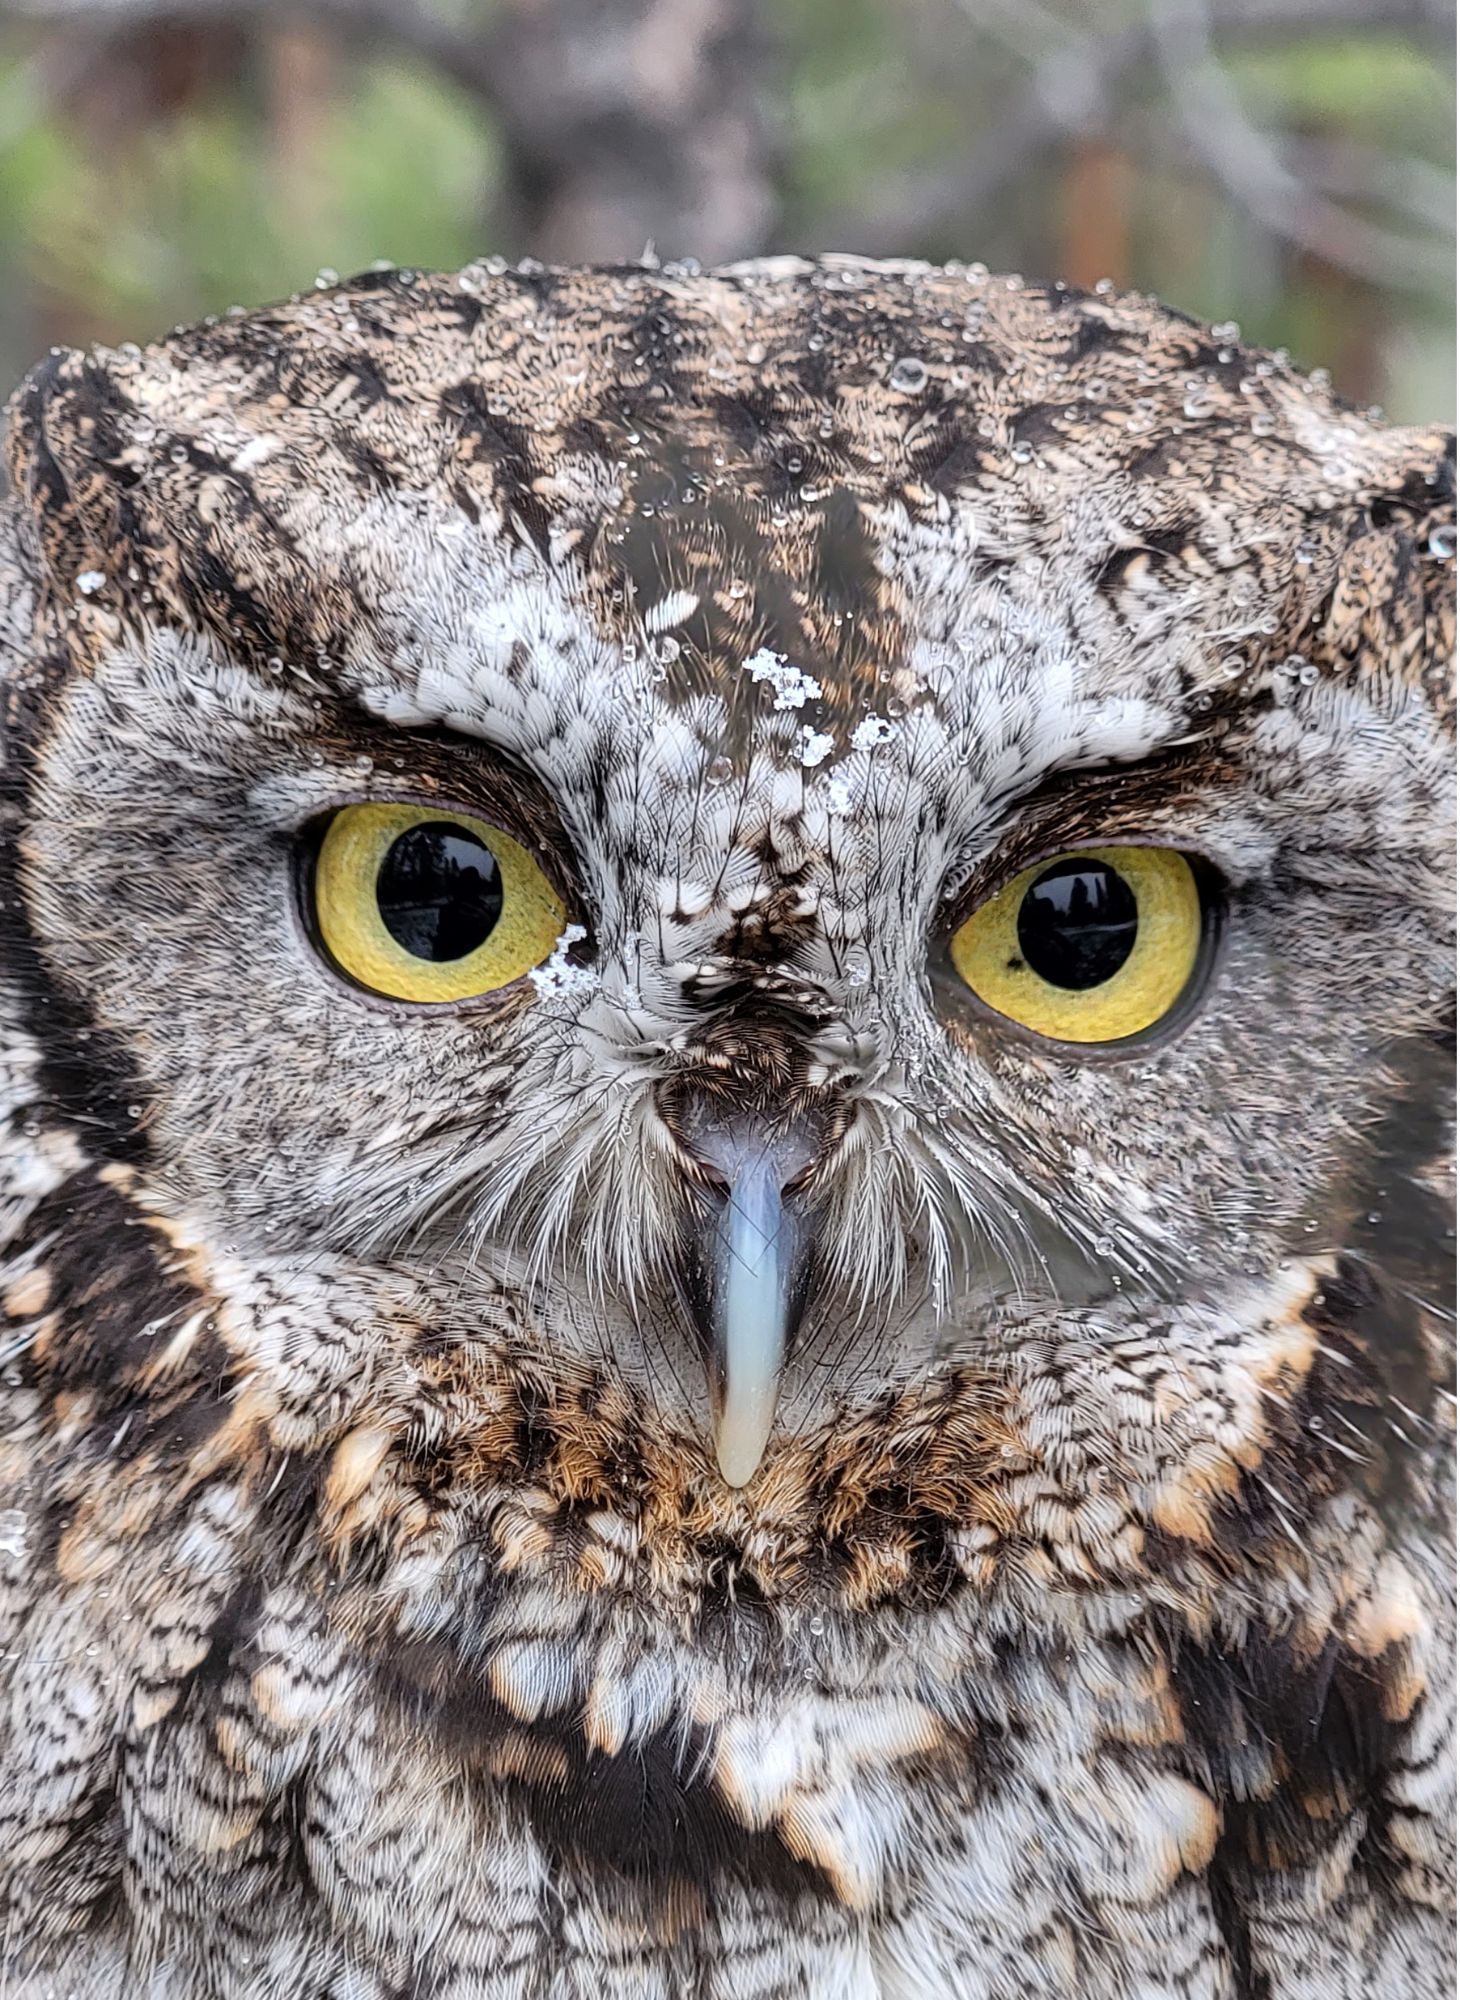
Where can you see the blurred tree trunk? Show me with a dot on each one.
(1097, 205)
(635, 121)
(300, 64)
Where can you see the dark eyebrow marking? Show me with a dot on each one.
(1094, 806)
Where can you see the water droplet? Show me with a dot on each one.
(908, 375)
(179, 454)
(720, 770)
(1442, 542)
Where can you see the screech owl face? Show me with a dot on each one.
(787, 819)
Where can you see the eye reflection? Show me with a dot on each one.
(439, 891)
(1077, 923)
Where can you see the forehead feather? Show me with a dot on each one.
(899, 481)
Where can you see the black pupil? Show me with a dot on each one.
(1077, 923)
(439, 891)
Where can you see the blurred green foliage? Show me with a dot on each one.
(399, 165)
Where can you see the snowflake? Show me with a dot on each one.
(873, 731)
(793, 688)
(557, 974)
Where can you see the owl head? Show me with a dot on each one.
(736, 848)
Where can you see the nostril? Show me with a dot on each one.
(782, 1153)
(793, 1130)
(739, 1147)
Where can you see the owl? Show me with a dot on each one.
(722, 1183)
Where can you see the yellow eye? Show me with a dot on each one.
(426, 905)
(1094, 946)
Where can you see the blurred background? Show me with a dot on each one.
(1284, 163)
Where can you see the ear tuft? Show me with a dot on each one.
(67, 451)
(1391, 611)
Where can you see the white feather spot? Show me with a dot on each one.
(872, 732)
(670, 610)
(839, 798)
(254, 453)
(816, 746)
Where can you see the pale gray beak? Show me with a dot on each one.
(749, 1287)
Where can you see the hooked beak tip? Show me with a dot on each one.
(739, 1450)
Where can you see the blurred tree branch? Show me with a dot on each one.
(1248, 163)
(1073, 89)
